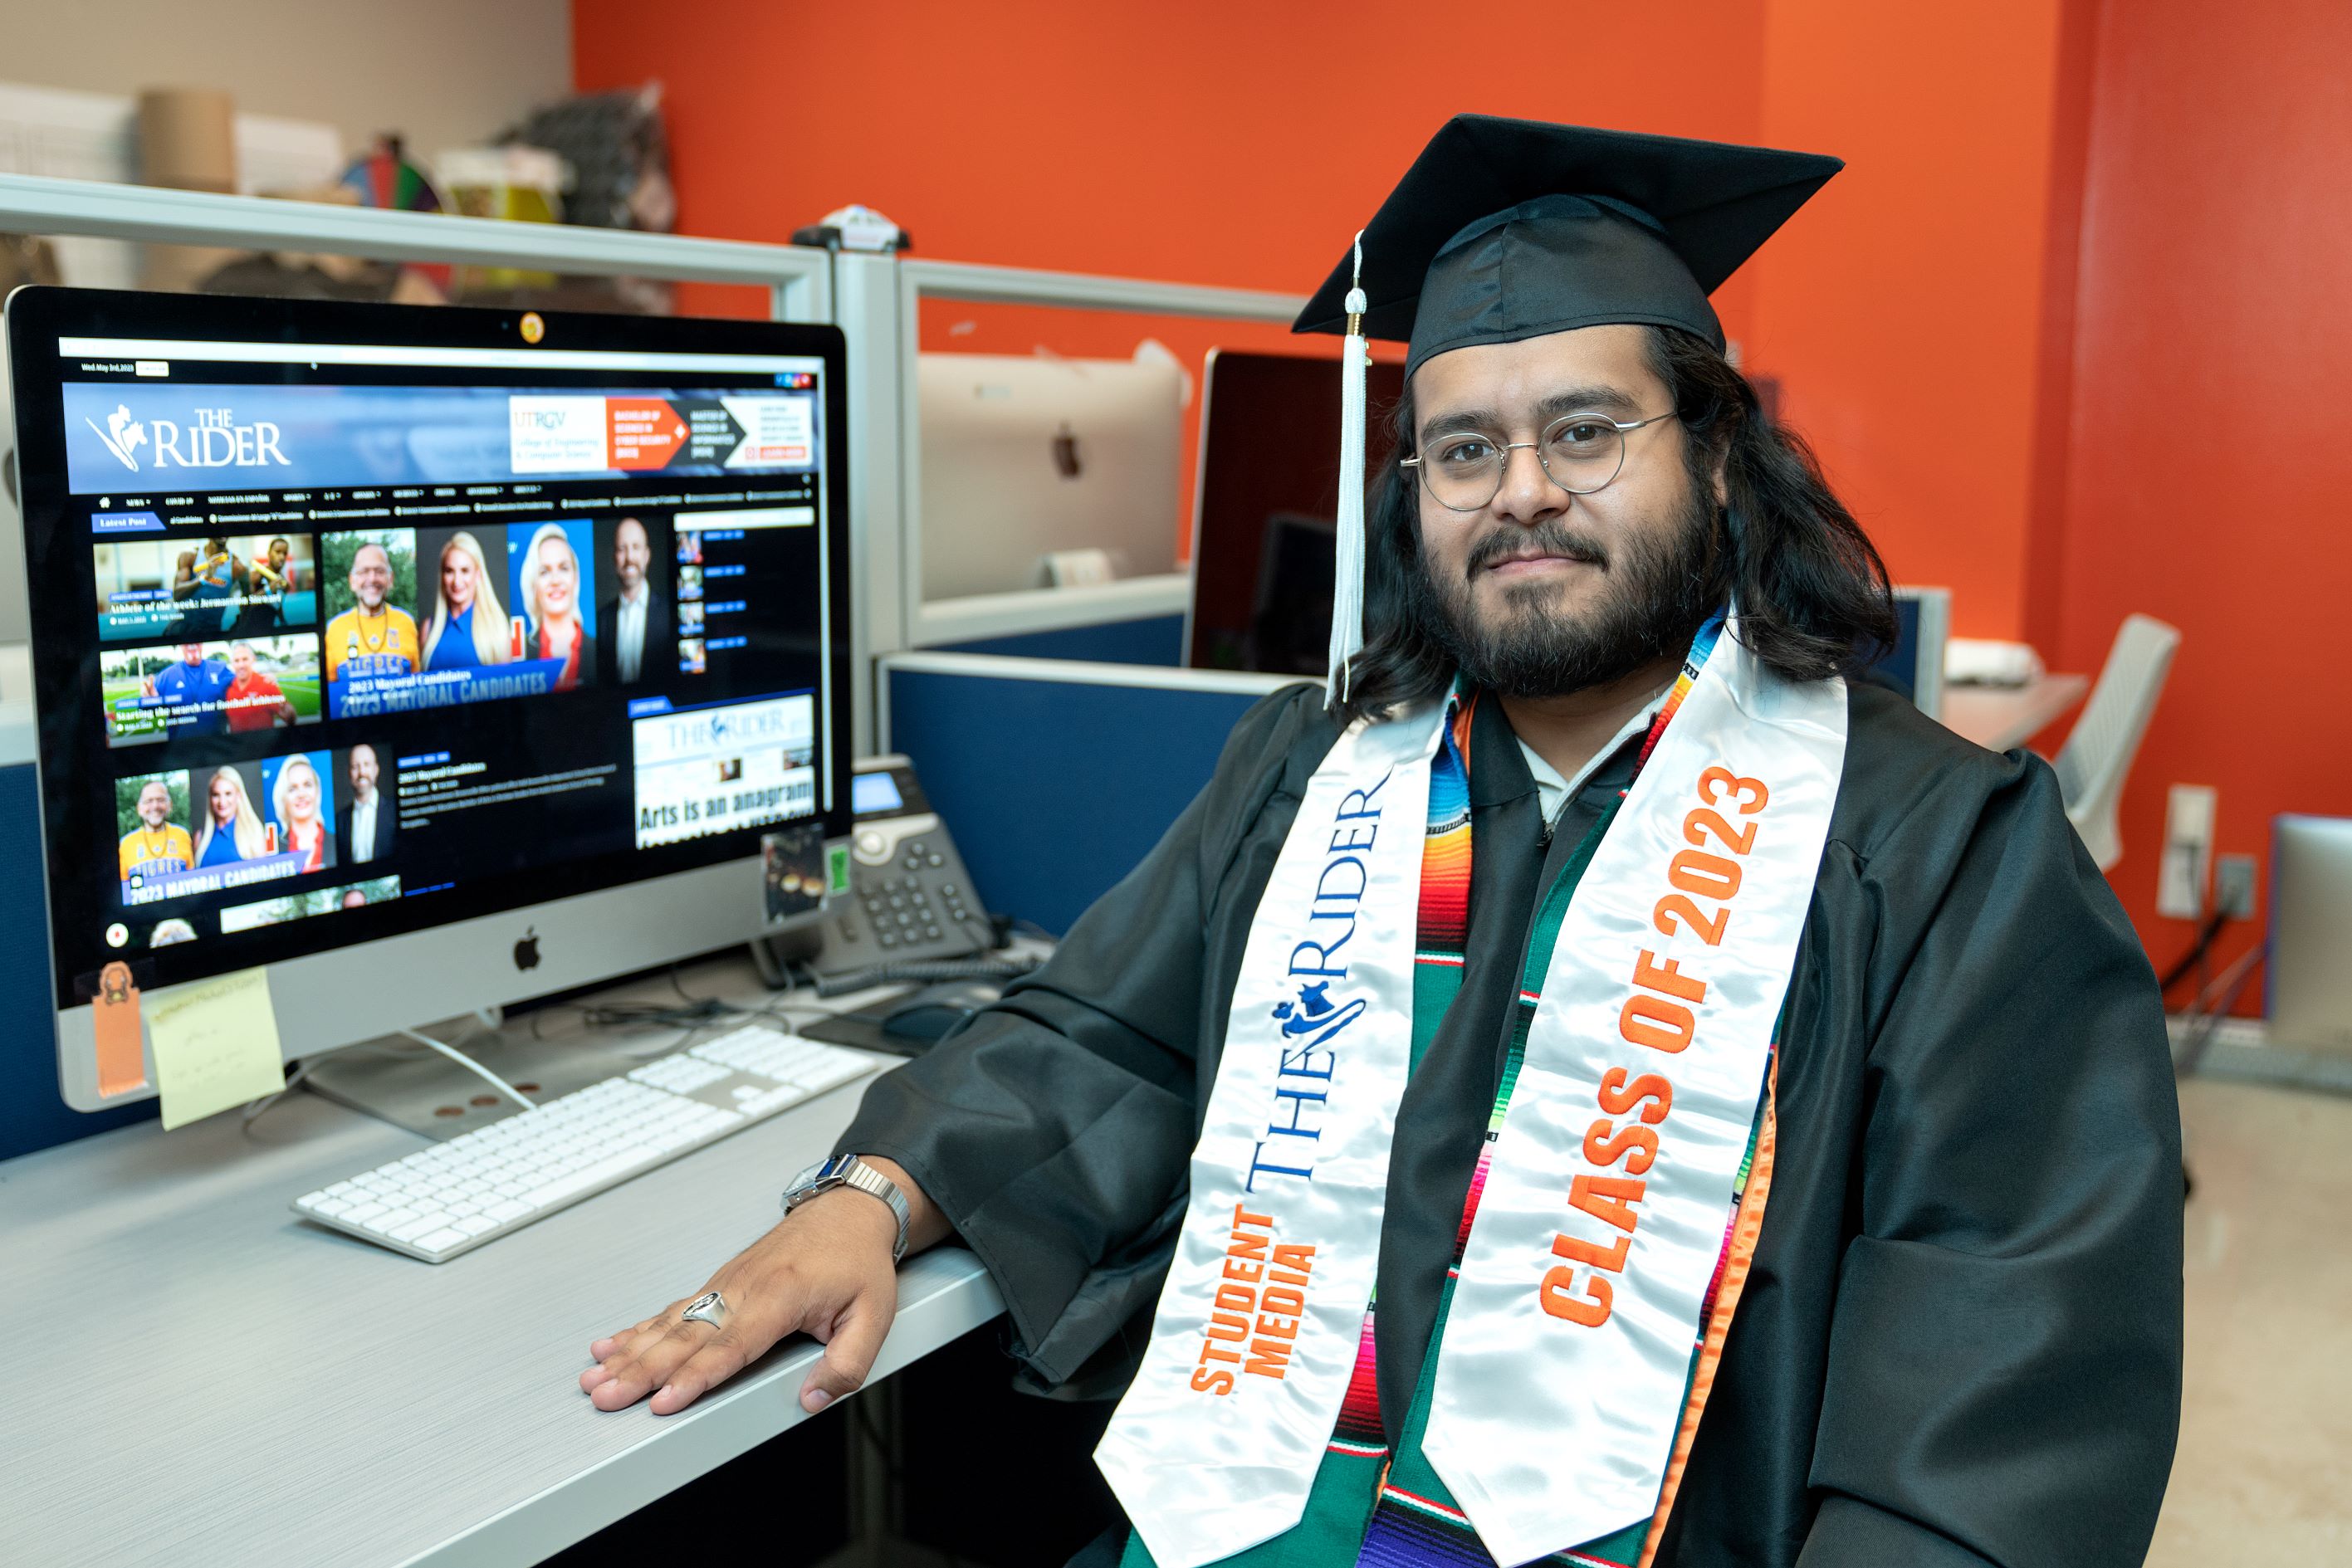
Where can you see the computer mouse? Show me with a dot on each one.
(929, 1013)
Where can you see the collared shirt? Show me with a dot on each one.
(632, 632)
(364, 829)
(1551, 790)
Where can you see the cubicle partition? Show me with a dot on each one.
(1057, 767)
(1055, 777)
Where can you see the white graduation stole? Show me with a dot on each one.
(1561, 1374)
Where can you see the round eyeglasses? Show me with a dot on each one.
(1581, 453)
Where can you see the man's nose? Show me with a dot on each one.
(1528, 495)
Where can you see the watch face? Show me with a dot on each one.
(808, 1175)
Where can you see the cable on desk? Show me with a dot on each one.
(470, 1065)
(253, 1110)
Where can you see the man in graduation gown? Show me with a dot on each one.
(1942, 1326)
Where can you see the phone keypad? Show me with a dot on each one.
(903, 910)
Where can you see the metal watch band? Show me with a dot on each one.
(848, 1170)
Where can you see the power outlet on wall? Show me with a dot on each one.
(2233, 886)
(2188, 852)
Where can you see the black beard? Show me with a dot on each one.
(1656, 593)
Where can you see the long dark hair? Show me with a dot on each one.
(1813, 592)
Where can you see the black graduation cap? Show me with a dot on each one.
(1507, 229)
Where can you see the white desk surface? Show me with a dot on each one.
(202, 1377)
(1999, 718)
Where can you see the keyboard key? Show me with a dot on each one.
(410, 1230)
(439, 1241)
(474, 1225)
(512, 1209)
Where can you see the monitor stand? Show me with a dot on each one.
(405, 1080)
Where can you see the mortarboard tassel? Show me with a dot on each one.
(1347, 581)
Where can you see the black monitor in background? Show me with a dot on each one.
(1265, 507)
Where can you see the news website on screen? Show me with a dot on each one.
(378, 645)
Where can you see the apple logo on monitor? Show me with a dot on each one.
(526, 952)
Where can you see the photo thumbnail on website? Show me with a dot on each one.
(439, 617)
(208, 829)
(193, 590)
(731, 765)
(303, 905)
(208, 687)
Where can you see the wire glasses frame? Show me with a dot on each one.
(1581, 452)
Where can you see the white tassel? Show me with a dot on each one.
(1348, 583)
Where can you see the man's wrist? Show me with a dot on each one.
(837, 1200)
(875, 1181)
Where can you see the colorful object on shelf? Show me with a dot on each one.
(383, 177)
(514, 184)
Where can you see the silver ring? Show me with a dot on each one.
(709, 1307)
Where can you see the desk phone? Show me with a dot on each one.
(909, 899)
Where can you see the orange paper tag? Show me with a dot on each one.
(122, 1057)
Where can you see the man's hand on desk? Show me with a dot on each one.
(824, 1272)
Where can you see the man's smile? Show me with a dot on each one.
(1535, 562)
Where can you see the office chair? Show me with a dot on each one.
(2097, 757)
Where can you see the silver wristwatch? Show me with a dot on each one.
(848, 1170)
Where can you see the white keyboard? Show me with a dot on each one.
(454, 1197)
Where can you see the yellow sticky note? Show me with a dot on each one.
(216, 1045)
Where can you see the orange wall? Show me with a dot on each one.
(1215, 143)
(2208, 476)
(1901, 308)
(1224, 143)
(1242, 146)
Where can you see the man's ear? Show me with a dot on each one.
(1717, 475)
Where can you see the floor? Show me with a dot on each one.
(2265, 1469)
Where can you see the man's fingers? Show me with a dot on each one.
(615, 1349)
(639, 1372)
(714, 1364)
(849, 1353)
(603, 1348)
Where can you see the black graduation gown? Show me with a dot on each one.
(1959, 1341)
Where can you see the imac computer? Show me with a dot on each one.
(1023, 458)
(428, 660)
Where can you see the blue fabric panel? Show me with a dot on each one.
(1055, 790)
(1155, 640)
(32, 1116)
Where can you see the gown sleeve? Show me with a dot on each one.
(1054, 1128)
(2004, 1351)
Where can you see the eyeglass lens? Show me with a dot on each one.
(1582, 453)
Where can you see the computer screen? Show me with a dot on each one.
(355, 622)
(1264, 510)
